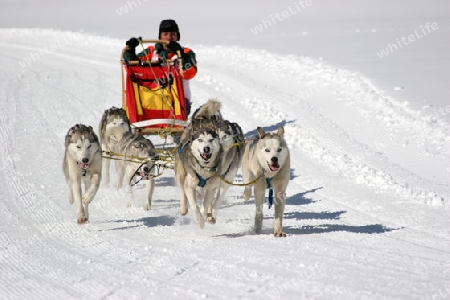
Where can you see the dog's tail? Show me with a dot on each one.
(209, 110)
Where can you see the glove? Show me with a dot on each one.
(132, 43)
(174, 47)
(158, 47)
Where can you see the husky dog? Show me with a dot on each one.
(197, 165)
(113, 125)
(138, 160)
(82, 162)
(232, 141)
(208, 120)
(266, 160)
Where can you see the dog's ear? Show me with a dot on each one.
(72, 131)
(261, 132)
(68, 137)
(280, 131)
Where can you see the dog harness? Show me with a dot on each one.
(269, 186)
(202, 181)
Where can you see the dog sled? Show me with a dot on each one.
(153, 95)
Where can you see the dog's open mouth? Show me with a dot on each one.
(83, 166)
(206, 157)
(143, 174)
(273, 167)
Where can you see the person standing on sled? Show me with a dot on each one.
(168, 31)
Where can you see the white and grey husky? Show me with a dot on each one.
(197, 166)
(113, 125)
(266, 160)
(208, 120)
(138, 163)
(82, 162)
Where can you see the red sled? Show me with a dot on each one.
(153, 96)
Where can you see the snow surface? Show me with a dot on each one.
(367, 212)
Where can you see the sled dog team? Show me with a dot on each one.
(206, 160)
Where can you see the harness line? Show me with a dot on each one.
(154, 176)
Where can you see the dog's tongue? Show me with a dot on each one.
(206, 156)
(143, 175)
(273, 167)
(83, 166)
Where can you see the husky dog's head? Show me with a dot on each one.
(140, 148)
(207, 116)
(229, 134)
(272, 149)
(225, 132)
(114, 123)
(205, 145)
(82, 144)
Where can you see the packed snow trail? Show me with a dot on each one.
(363, 217)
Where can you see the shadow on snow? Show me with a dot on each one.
(251, 134)
(325, 228)
(144, 222)
(300, 199)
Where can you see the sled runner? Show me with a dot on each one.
(153, 95)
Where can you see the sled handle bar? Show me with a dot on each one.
(157, 41)
(153, 41)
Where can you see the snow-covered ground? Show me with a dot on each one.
(367, 213)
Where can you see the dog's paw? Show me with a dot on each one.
(183, 212)
(147, 207)
(211, 219)
(279, 234)
(82, 220)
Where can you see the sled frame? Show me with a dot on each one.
(173, 125)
